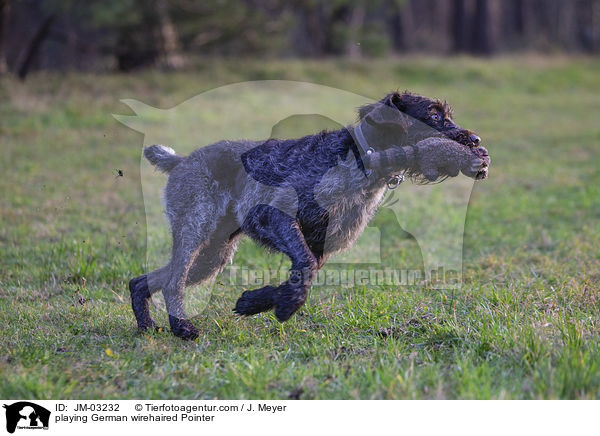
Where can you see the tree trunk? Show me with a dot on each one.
(519, 17)
(588, 23)
(170, 52)
(459, 26)
(4, 11)
(481, 28)
(34, 46)
(408, 26)
(396, 29)
(357, 19)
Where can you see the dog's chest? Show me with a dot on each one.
(349, 199)
(349, 217)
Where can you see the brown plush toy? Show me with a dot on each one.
(443, 157)
(431, 159)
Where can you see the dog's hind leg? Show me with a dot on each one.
(188, 266)
(279, 231)
(219, 250)
(187, 243)
(140, 299)
(141, 289)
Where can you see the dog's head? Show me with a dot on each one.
(397, 113)
(401, 119)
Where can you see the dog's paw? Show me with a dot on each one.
(183, 328)
(256, 301)
(288, 302)
(283, 312)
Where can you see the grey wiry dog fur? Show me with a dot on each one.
(307, 197)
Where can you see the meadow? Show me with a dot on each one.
(524, 325)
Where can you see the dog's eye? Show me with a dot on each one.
(435, 116)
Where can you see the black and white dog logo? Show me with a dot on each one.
(26, 415)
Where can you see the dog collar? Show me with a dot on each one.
(361, 140)
(359, 136)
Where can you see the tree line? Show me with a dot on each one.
(129, 34)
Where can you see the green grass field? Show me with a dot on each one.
(525, 324)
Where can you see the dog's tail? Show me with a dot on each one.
(164, 158)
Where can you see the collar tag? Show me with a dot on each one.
(395, 181)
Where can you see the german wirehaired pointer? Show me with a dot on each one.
(307, 197)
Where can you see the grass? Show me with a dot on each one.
(525, 323)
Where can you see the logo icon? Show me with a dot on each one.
(26, 415)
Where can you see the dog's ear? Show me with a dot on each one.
(385, 112)
(364, 110)
(394, 99)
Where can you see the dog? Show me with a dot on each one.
(308, 198)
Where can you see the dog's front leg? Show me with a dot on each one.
(271, 227)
